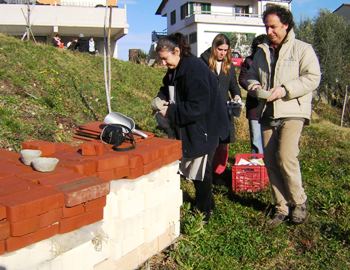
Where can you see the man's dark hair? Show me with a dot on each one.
(285, 16)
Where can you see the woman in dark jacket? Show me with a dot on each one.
(218, 59)
(196, 110)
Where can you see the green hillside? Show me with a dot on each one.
(46, 92)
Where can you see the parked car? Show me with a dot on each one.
(237, 59)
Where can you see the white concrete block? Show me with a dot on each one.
(32, 255)
(131, 243)
(140, 215)
(131, 207)
(114, 229)
(115, 250)
(111, 209)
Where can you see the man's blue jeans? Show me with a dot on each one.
(256, 140)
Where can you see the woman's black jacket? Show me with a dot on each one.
(227, 82)
(198, 112)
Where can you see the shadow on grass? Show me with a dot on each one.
(245, 199)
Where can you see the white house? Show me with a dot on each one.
(68, 18)
(201, 21)
(344, 11)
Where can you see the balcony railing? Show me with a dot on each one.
(232, 13)
(65, 3)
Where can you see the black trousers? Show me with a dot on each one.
(204, 189)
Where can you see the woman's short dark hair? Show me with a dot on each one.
(257, 41)
(285, 16)
(172, 41)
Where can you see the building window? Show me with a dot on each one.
(192, 38)
(241, 10)
(184, 11)
(191, 8)
(205, 8)
(173, 17)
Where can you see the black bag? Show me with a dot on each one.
(116, 134)
(234, 108)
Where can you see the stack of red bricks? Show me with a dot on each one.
(35, 205)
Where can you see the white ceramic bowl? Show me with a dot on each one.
(44, 164)
(28, 155)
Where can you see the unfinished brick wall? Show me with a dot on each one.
(35, 206)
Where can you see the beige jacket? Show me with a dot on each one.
(297, 69)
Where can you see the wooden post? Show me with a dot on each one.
(344, 105)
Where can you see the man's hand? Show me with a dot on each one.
(277, 93)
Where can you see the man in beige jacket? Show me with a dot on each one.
(284, 74)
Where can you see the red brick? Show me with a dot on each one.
(135, 161)
(94, 127)
(165, 145)
(140, 139)
(95, 204)
(148, 153)
(135, 172)
(2, 212)
(68, 157)
(4, 229)
(50, 218)
(88, 149)
(73, 223)
(172, 157)
(152, 166)
(7, 169)
(84, 167)
(2, 247)
(111, 161)
(72, 211)
(64, 147)
(83, 190)
(25, 226)
(121, 172)
(106, 175)
(14, 243)
(13, 184)
(135, 167)
(100, 148)
(59, 178)
(27, 204)
(9, 156)
(46, 148)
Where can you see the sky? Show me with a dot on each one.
(142, 20)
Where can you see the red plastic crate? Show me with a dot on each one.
(249, 178)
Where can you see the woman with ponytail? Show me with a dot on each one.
(193, 106)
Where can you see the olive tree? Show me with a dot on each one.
(331, 42)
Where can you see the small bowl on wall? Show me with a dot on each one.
(28, 155)
(45, 164)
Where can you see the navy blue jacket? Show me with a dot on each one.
(199, 111)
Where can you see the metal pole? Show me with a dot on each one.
(344, 105)
(28, 21)
(105, 61)
(109, 52)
